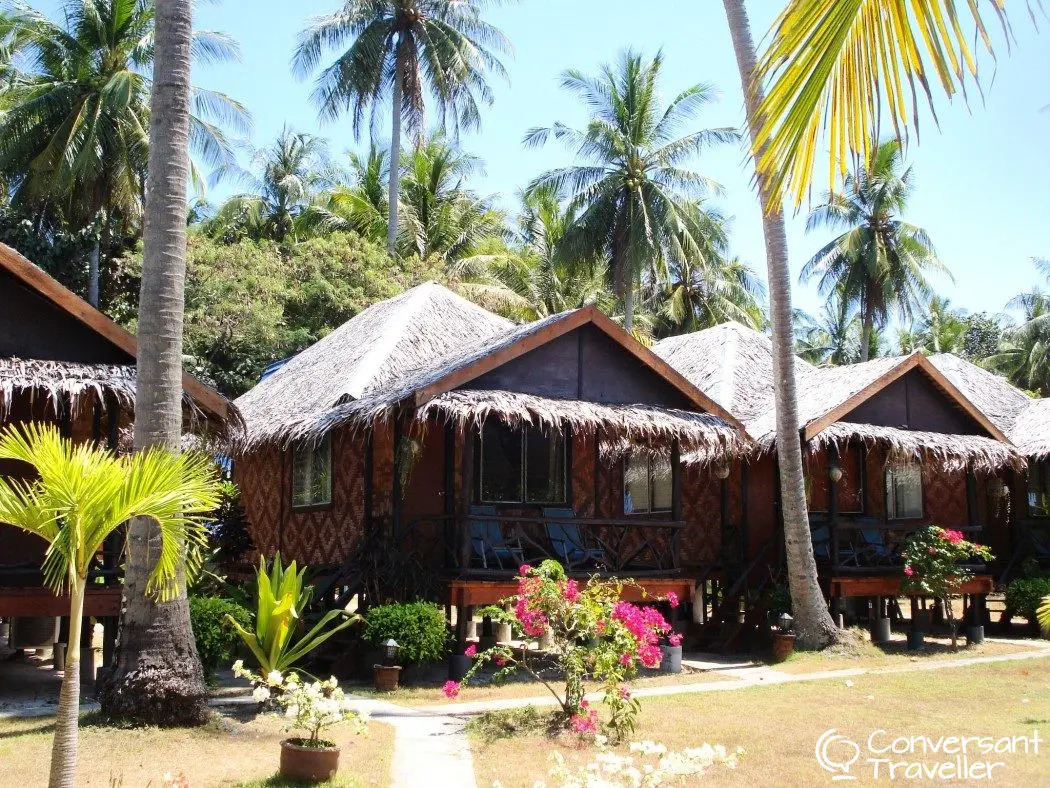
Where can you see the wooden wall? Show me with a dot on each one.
(33, 327)
(915, 402)
(584, 364)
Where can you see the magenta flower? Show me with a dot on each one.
(650, 655)
(625, 694)
(451, 689)
(471, 650)
(672, 599)
(909, 571)
(626, 660)
(585, 724)
(953, 536)
(675, 639)
(571, 591)
(524, 569)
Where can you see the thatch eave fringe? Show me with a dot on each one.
(950, 453)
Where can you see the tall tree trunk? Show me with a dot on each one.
(628, 305)
(157, 677)
(96, 252)
(865, 335)
(67, 720)
(813, 624)
(395, 153)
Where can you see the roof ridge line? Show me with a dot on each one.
(372, 361)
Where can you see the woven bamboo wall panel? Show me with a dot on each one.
(583, 474)
(944, 499)
(702, 511)
(383, 469)
(258, 476)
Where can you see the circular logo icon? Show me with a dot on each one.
(836, 754)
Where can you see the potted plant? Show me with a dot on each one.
(783, 638)
(420, 632)
(309, 707)
(932, 567)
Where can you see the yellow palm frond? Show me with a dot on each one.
(834, 68)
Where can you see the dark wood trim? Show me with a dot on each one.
(466, 497)
(368, 494)
(676, 480)
(96, 424)
(597, 470)
(112, 421)
(397, 495)
(971, 498)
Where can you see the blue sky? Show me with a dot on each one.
(982, 179)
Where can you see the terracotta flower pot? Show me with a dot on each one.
(386, 677)
(308, 764)
(783, 646)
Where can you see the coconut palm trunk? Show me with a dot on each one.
(866, 325)
(813, 624)
(67, 732)
(157, 676)
(395, 153)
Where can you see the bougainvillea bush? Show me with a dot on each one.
(593, 633)
(933, 560)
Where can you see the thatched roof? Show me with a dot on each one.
(333, 383)
(732, 364)
(933, 449)
(993, 394)
(1031, 431)
(366, 357)
(80, 385)
(703, 438)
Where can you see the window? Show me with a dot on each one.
(647, 484)
(521, 465)
(904, 492)
(1039, 488)
(312, 474)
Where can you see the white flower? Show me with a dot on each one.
(238, 666)
(274, 678)
(292, 711)
(261, 695)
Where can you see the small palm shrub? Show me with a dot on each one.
(1025, 594)
(418, 627)
(216, 638)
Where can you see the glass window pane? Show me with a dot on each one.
(500, 462)
(1039, 488)
(321, 473)
(636, 484)
(661, 470)
(544, 467)
(302, 460)
(904, 492)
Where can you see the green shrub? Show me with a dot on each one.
(216, 638)
(418, 627)
(1024, 595)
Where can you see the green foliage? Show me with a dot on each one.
(932, 563)
(418, 627)
(281, 599)
(1025, 595)
(216, 638)
(251, 303)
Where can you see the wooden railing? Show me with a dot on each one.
(869, 546)
(497, 545)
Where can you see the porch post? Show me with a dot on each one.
(676, 498)
(396, 481)
(971, 499)
(833, 505)
(463, 504)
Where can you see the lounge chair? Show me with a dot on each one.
(489, 544)
(566, 540)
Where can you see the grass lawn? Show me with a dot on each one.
(430, 694)
(778, 725)
(895, 653)
(234, 749)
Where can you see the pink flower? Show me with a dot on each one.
(451, 689)
(675, 639)
(500, 660)
(471, 650)
(585, 724)
(626, 660)
(650, 655)
(932, 550)
(524, 569)
(672, 599)
(953, 536)
(571, 591)
(625, 694)
(909, 571)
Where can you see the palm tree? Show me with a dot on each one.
(444, 219)
(1024, 352)
(78, 498)
(400, 49)
(813, 623)
(704, 286)
(836, 69)
(942, 329)
(832, 338)
(157, 676)
(284, 201)
(362, 203)
(73, 143)
(880, 262)
(632, 192)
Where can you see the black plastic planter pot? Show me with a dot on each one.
(975, 636)
(458, 665)
(880, 630)
(916, 640)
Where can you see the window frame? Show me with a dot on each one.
(326, 444)
(1044, 465)
(523, 473)
(651, 480)
(892, 516)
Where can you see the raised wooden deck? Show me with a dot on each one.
(890, 585)
(469, 593)
(25, 602)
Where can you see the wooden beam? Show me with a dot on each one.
(68, 301)
(40, 602)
